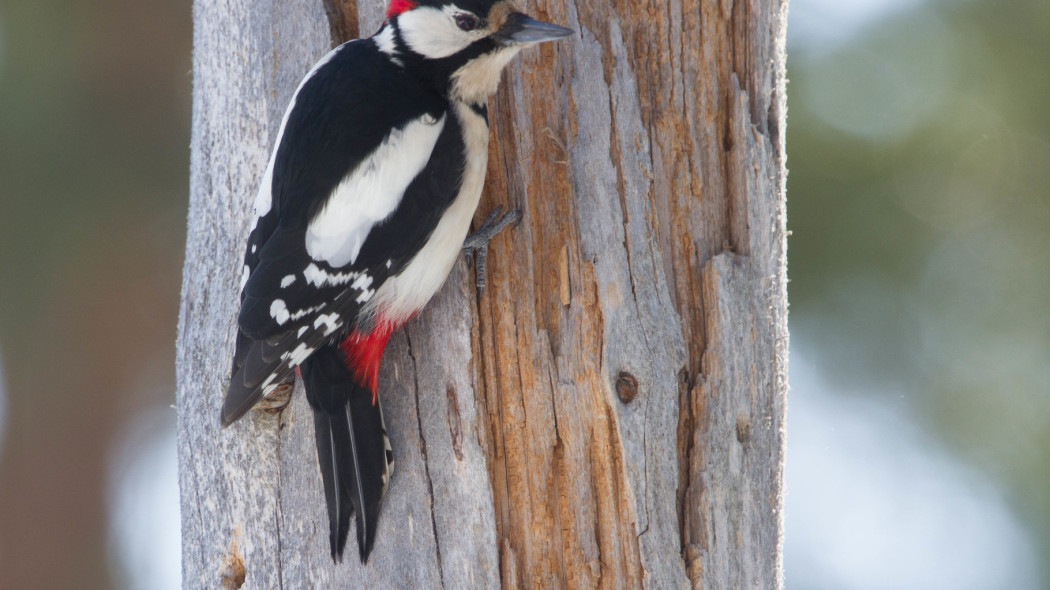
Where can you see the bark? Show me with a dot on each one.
(610, 412)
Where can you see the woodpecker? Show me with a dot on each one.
(365, 204)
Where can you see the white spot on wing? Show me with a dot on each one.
(287, 281)
(244, 276)
(329, 320)
(370, 193)
(279, 311)
(297, 356)
(268, 385)
(319, 277)
(362, 282)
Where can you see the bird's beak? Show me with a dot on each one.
(523, 29)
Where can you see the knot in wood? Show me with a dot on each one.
(626, 387)
(743, 429)
(232, 573)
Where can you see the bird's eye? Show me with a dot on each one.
(466, 22)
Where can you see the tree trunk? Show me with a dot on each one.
(609, 413)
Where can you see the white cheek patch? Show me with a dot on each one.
(371, 192)
(432, 32)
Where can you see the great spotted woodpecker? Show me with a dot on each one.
(374, 178)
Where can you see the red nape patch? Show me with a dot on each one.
(363, 353)
(398, 6)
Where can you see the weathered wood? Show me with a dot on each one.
(610, 412)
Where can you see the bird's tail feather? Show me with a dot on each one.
(352, 448)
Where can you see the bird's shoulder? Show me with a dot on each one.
(352, 102)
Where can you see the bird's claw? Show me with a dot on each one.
(478, 242)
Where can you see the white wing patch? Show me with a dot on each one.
(407, 292)
(371, 192)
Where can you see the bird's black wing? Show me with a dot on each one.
(350, 118)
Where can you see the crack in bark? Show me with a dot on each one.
(426, 462)
(556, 470)
(502, 518)
(280, 504)
(597, 521)
(525, 454)
(197, 497)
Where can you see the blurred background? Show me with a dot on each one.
(919, 200)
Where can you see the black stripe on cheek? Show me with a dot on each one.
(399, 41)
(481, 109)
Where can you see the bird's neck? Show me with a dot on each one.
(470, 76)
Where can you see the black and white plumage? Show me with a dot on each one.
(374, 178)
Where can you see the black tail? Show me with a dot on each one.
(352, 448)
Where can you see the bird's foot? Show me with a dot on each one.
(478, 242)
(276, 400)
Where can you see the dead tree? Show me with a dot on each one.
(609, 413)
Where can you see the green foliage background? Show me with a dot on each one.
(919, 200)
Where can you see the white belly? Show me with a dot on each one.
(403, 295)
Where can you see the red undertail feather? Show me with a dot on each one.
(364, 351)
(398, 6)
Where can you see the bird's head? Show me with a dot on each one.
(471, 41)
